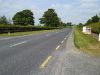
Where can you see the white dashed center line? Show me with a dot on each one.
(58, 47)
(6, 38)
(62, 42)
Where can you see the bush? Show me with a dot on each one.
(18, 28)
(95, 27)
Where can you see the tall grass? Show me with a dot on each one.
(86, 43)
(95, 27)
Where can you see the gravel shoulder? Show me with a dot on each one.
(71, 61)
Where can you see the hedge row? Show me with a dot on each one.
(95, 27)
(13, 28)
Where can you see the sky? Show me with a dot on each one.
(74, 11)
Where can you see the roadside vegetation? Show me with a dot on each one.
(19, 28)
(28, 33)
(85, 42)
(94, 23)
(23, 21)
(95, 27)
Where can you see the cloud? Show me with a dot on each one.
(10, 7)
(62, 6)
(91, 1)
(86, 5)
(89, 4)
(68, 10)
(76, 12)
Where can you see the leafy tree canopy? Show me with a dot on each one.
(93, 19)
(50, 18)
(24, 17)
(69, 24)
(3, 20)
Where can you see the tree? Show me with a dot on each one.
(80, 24)
(24, 17)
(89, 22)
(95, 19)
(3, 20)
(62, 24)
(69, 24)
(50, 18)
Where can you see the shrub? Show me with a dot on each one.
(18, 28)
(95, 27)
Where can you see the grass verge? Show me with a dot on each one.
(86, 43)
(28, 33)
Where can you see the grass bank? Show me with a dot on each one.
(95, 27)
(28, 33)
(86, 43)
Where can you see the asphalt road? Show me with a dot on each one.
(21, 55)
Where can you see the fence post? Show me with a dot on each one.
(99, 36)
(9, 33)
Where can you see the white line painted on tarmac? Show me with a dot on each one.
(62, 42)
(58, 47)
(67, 36)
(6, 38)
(18, 43)
(45, 62)
(25, 35)
(56, 32)
(15, 37)
(47, 35)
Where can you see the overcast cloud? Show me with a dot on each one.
(68, 10)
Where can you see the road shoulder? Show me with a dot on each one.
(71, 61)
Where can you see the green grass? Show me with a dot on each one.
(95, 27)
(27, 33)
(86, 43)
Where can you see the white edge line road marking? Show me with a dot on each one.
(6, 38)
(18, 43)
(47, 35)
(45, 62)
(58, 47)
(62, 42)
(56, 32)
(15, 37)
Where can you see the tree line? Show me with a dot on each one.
(3, 20)
(93, 19)
(94, 23)
(26, 18)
